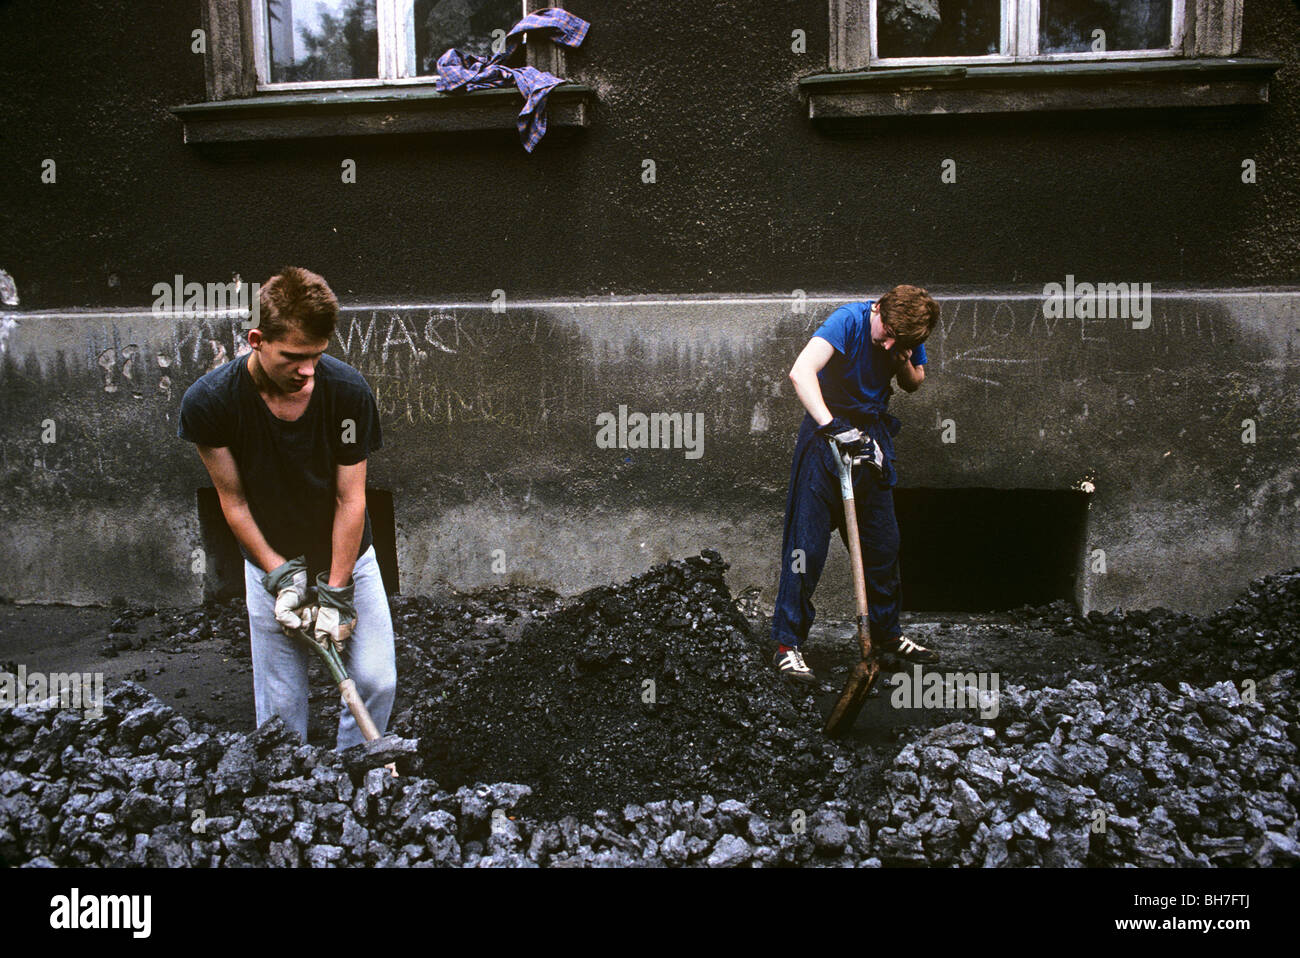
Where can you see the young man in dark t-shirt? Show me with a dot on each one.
(842, 378)
(285, 432)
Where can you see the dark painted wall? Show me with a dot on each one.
(749, 198)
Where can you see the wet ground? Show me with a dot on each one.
(211, 679)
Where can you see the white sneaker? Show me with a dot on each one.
(792, 666)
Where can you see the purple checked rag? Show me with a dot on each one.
(462, 72)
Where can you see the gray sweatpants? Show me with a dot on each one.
(280, 663)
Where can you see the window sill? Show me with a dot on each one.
(849, 98)
(374, 111)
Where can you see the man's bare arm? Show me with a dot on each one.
(224, 471)
(803, 374)
(349, 521)
(909, 377)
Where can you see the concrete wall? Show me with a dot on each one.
(490, 424)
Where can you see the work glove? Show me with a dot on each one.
(847, 437)
(288, 583)
(337, 616)
(855, 442)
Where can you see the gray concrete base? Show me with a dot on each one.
(1185, 423)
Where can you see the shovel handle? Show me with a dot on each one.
(845, 464)
(348, 688)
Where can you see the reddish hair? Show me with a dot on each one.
(910, 313)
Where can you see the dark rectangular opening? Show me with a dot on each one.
(989, 550)
(225, 564)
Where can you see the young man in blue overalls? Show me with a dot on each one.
(842, 377)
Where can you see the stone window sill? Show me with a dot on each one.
(374, 111)
(850, 99)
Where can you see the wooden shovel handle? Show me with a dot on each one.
(859, 576)
(358, 710)
(845, 467)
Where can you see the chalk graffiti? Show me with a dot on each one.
(7, 326)
(400, 332)
(164, 380)
(970, 329)
(437, 403)
(107, 362)
(1005, 319)
(989, 342)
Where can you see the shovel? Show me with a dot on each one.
(347, 688)
(866, 671)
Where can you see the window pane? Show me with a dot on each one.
(466, 25)
(1067, 26)
(322, 40)
(938, 28)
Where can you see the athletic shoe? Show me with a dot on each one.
(790, 663)
(907, 650)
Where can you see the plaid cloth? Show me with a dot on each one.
(461, 72)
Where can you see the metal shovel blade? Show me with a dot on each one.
(856, 689)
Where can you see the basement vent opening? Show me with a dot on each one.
(225, 564)
(990, 550)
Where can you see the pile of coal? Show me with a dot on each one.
(137, 785)
(1182, 748)
(171, 629)
(649, 690)
(1255, 636)
(1098, 773)
(485, 615)
(435, 640)
(1082, 775)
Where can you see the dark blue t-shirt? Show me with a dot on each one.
(855, 382)
(287, 469)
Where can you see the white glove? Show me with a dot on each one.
(288, 584)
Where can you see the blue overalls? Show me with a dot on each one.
(856, 389)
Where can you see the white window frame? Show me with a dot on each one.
(395, 22)
(1019, 34)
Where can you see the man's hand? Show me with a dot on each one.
(288, 583)
(337, 616)
(909, 377)
(855, 442)
(847, 437)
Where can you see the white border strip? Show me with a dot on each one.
(127, 313)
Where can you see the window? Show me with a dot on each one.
(306, 44)
(897, 58)
(918, 32)
(280, 70)
(909, 33)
